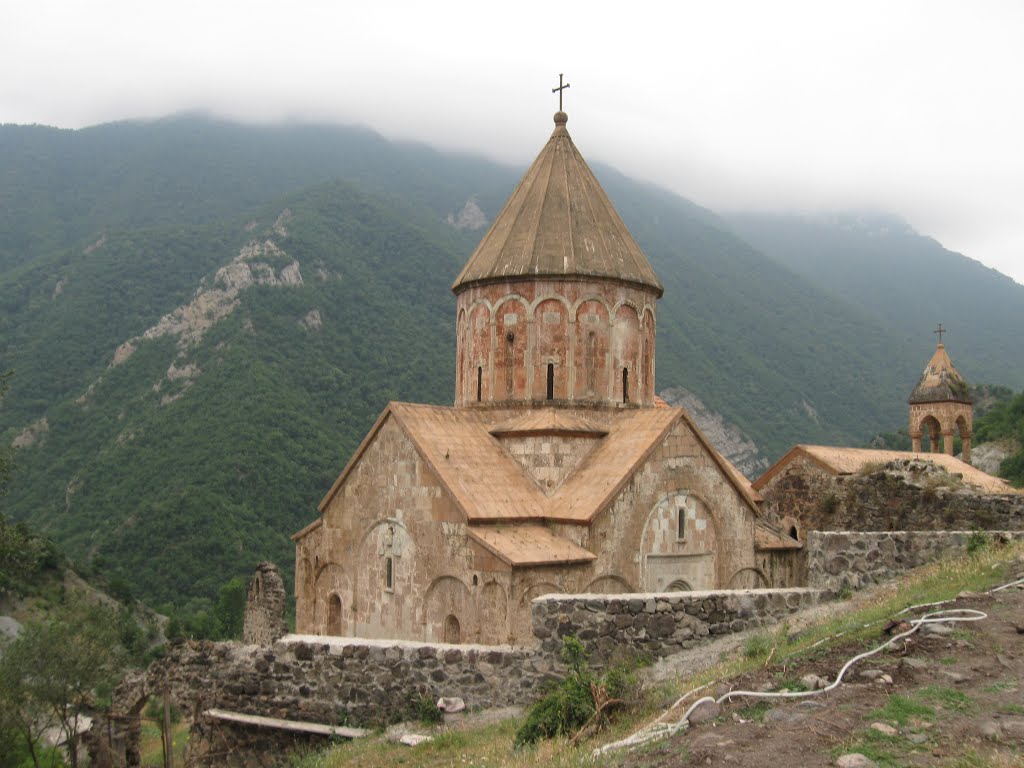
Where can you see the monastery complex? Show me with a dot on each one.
(558, 469)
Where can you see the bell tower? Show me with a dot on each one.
(940, 405)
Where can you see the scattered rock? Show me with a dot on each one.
(814, 682)
(855, 760)
(707, 711)
(936, 630)
(917, 738)
(884, 728)
(1013, 728)
(412, 739)
(989, 729)
(910, 662)
(451, 705)
(871, 674)
(955, 677)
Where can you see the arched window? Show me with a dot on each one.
(452, 630)
(679, 585)
(551, 381)
(625, 385)
(793, 533)
(334, 615)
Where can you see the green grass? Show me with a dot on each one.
(901, 710)
(882, 749)
(755, 711)
(947, 698)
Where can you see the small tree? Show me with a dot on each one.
(58, 669)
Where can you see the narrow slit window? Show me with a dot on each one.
(551, 381)
(625, 385)
(681, 524)
(479, 383)
(389, 573)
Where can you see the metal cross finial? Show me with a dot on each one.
(559, 90)
(940, 330)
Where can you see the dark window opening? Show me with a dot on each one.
(625, 385)
(389, 573)
(792, 533)
(479, 383)
(681, 524)
(551, 381)
(475, 580)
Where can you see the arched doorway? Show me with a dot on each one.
(334, 615)
(452, 630)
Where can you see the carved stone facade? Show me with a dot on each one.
(581, 341)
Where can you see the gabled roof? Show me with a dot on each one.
(847, 461)
(558, 222)
(940, 382)
(490, 486)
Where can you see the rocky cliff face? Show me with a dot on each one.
(729, 439)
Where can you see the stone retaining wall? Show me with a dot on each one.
(658, 625)
(838, 560)
(355, 681)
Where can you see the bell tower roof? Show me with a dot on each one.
(558, 223)
(940, 382)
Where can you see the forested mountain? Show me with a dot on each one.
(907, 280)
(204, 319)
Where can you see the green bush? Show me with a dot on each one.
(571, 704)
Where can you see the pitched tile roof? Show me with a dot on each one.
(847, 461)
(529, 545)
(490, 486)
(558, 222)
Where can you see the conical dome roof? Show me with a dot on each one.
(940, 382)
(558, 222)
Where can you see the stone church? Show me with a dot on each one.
(557, 470)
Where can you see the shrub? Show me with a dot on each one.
(581, 698)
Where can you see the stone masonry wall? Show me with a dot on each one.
(838, 560)
(264, 606)
(658, 625)
(908, 495)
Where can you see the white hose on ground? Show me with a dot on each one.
(657, 729)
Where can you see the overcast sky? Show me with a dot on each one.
(911, 107)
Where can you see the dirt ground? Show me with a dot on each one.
(952, 696)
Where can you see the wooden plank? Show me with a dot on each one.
(286, 725)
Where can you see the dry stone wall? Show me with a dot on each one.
(838, 560)
(658, 625)
(905, 495)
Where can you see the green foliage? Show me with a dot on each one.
(977, 541)
(424, 709)
(570, 704)
(1005, 421)
(58, 667)
(24, 557)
